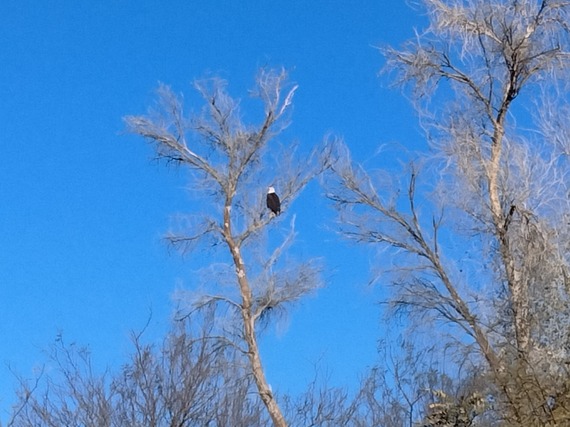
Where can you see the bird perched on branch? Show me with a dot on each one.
(273, 202)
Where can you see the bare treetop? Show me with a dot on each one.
(489, 49)
(229, 158)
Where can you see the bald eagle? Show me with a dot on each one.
(273, 202)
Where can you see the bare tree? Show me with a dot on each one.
(190, 380)
(195, 379)
(500, 206)
(407, 388)
(236, 163)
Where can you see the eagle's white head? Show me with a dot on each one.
(270, 190)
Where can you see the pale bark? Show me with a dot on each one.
(249, 334)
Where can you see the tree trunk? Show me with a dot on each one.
(514, 277)
(249, 326)
(258, 373)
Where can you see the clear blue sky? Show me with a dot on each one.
(83, 207)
